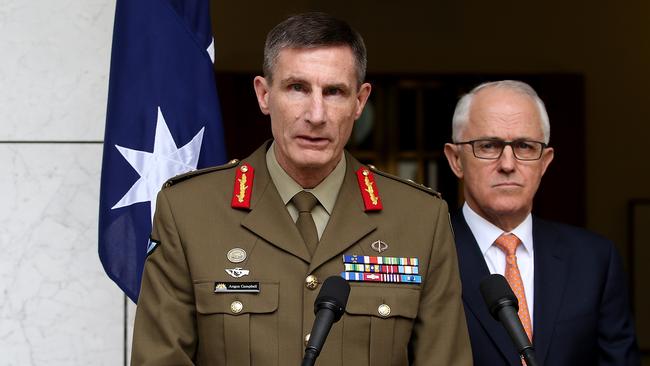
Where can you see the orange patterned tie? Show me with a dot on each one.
(508, 243)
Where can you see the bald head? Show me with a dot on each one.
(507, 91)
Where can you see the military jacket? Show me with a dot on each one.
(185, 316)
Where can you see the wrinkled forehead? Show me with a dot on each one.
(331, 64)
(504, 114)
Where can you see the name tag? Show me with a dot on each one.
(236, 287)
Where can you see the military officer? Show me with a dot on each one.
(239, 252)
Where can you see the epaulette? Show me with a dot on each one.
(185, 176)
(409, 182)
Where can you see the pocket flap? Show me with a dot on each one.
(367, 300)
(210, 302)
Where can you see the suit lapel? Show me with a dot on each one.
(348, 222)
(472, 270)
(551, 266)
(268, 217)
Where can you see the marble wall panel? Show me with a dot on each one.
(57, 306)
(54, 68)
(130, 321)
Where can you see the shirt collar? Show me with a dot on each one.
(326, 191)
(486, 233)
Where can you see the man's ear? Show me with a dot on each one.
(362, 98)
(262, 87)
(547, 157)
(453, 158)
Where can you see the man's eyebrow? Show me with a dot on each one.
(293, 80)
(298, 80)
(341, 86)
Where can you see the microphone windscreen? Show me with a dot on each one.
(497, 293)
(335, 289)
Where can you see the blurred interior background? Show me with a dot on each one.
(588, 60)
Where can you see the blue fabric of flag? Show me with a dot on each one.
(160, 66)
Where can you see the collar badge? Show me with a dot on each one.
(379, 246)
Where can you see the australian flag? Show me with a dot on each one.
(163, 119)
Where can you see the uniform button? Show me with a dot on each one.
(307, 339)
(236, 307)
(383, 310)
(311, 282)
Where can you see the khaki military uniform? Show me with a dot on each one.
(181, 320)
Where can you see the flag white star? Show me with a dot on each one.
(210, 50)
(166, 161)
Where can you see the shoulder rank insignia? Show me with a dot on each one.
(241, 196)
(368, 188)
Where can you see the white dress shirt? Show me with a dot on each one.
(486, 233)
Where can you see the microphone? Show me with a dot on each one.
(503, 306)
(328, 307)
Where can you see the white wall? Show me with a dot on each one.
(57, 307)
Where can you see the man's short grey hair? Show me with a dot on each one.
(461, 114)
(312, 30)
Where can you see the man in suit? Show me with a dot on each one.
(239, 252)
(569, 282)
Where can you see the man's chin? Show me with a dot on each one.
(311, 159)
(508, 189)
(509, 210)
(311, 164)
(312, 145)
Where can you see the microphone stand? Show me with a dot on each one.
(529, 356)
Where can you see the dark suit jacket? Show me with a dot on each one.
(581, 310)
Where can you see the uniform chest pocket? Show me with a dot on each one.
(230, 320)
(379, 318)
(236, 303)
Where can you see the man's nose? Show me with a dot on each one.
(507, 160)
(316, 109)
